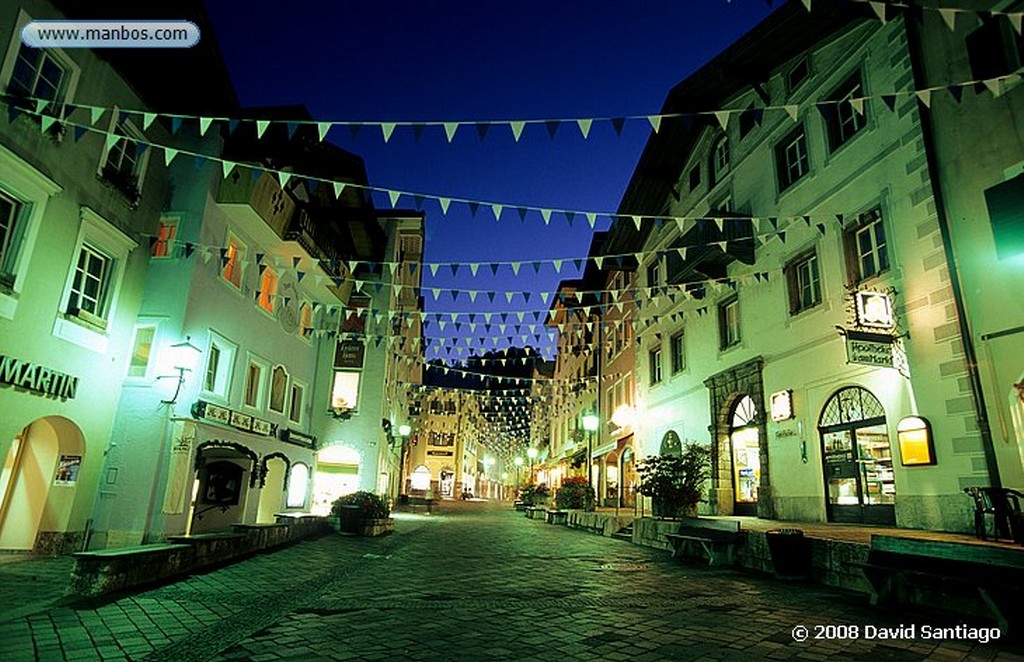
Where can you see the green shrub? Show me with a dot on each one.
(370, 505)
(575, 493)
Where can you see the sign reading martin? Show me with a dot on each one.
(869, 348)
(36, 378)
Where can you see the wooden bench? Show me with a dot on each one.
(939, 574)
(717, 539)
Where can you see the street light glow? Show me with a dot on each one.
(590, 422)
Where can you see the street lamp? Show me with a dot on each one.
(590, 424)
(532, 454)
(519, 463)
(183, 357)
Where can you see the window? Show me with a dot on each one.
(345, 393)
(88, 298)
(232, 258)
(749, 118)
(306, 320)
(298, 485)
(296, 403)
(142, 347)
(694, 177)
(268, 289)
(653, 275)
(278, 389)
(803, 282)
(842, 120)
(166, 231)
(719, 160)
(220, 360)
(866, 250)
(123, 164)
(11, 228)
(678, 353)
(994, 49)
(1005, 202)
(255, 382)
(39, 74)
(729, 323)
(449, 408)
(654, 357)
(798, 74)
(791, 159)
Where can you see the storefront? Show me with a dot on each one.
(746, 461)
(860, 485)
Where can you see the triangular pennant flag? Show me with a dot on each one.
(261, 127)
(957, 92)
(338, 188)
(515, 267)
(522, 214)
(112, 139)
(321, 130)
(617, 124)
(793, 111)
(993, 85)
(204, 124)
(496, 209)
(417, 130)
(473, 208)
(169, 154)
(879, 9)
(227, 166)
(552, 127)
(46, 121)
(233, 126)
(147, 120)
(591, 218)
(949, 16)
(570, 216)
(433, 268)
(1015, 20)
(482, 128)
(807, 5)
(78, 132)
(394, 196)
(474, 267)
(445, 202)
(517, 129)
(449, 130)
(558, 266)
(655, 121)
(283, 177)
(636, 221)
(723, 118)
(494, 268)
(546, 215)
(925, 97)
(584, 125)
(95, 114)
(890, 101)
(387, 128)
(858, 105)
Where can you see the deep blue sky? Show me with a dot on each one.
(417, 60)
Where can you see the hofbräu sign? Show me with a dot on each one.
(36, 378)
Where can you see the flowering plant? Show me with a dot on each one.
(674, 482)
(370, 505)
(575, 492)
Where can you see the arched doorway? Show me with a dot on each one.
(225, 472)
(857, 457)
(610, 480)
(419, 479)
(627, 473)
(744, 437)
(38, 481)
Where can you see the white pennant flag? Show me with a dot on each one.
(228, 166)
(925, 96)
(449, 129)
(858, 105)
(1015, 20)
(558, 266)
(322, 128)
(546, 215)
(636, 221)
(497, 211)
(283, 177)
(793, 111)
(95, 114)
(169, 155)
(387, 128)
(204, 124)
(655, 121)
(723, 118)
(474, 267)
(591, 218)
(445, 202)
(147, 120)
(517, 129)
(949, 16)
(879, 8)
(261, 127)
(433, 268)
(394, 196)
(807, 5)
(584, 126)
(338, 188)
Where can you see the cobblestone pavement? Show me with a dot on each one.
(469, 583)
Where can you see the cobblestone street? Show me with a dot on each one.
(471, 582)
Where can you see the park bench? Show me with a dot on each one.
(716, 539)
(519, 505)
(942, 574)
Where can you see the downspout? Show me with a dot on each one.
(915, 47)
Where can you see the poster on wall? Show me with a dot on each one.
(179, 469)
(67, 469)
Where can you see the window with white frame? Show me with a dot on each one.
(96, 272)
(268, 289)
(12, 227)
(278, 389)
(296, 402)
(843, 120)
(255, 386)
(142, 350)
(867, 251)
(166, 232)
(124, 161)
(719, 159)
(298, 485)
(791, 158)
(654, 367)
(220, 361)
(729, 323)
(678, 353)
(345, 391)
(31, 74)
(803, 282)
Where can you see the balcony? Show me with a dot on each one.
(246, 199)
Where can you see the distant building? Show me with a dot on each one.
(799, 318)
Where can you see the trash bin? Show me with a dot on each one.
(791, 553)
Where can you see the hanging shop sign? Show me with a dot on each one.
(874, 310)
(297, 438)
(236, 419)
(781, 405)
(869, 348)
(36, 378)
(349, 354)
(445, 453)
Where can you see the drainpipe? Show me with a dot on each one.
(915, 46)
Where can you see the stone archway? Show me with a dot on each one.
(725, 390)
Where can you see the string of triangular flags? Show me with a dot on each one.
(39, 107)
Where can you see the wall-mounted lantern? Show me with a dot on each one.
(183, 356)
(874, 310)
(915, 440)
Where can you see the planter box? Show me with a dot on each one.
(361, 527)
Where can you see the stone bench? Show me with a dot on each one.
(716, 539)
(108, 570)
(556, 516)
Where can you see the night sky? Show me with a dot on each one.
(413, 61)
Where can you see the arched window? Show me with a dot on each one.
(745, 413)
(670, 444)
(719, 165)
(420, 478)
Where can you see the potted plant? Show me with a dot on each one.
(362, 514)
(575, 493)
(534, 495)
(675, 482)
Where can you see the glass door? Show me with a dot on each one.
(746, 463)
(878, 486)
(842, 483)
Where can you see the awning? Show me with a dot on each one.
(604, 448)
